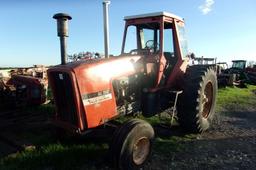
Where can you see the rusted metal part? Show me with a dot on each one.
(141, 150)
(207, 99)
(38, 71)
(22, 90)
(23, 80)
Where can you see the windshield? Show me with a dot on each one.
(238, 64)
(183, 41)
(131, 39)
(142, 37)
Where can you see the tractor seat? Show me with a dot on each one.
(170, 58)
(170, 62)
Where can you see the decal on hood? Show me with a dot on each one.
(97, 97)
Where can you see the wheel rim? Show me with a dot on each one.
(141, 150)
(207, 99)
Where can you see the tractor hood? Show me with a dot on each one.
(92, 84)
(98, 74)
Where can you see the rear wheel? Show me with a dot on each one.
(196, 107)
(132, 144)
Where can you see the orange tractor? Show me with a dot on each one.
(150, 76)
(21, 91)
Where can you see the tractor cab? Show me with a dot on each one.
(160, 39)
(239, 64)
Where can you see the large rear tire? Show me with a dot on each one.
(196, 107)
(132, 144)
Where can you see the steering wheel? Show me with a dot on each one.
(150, 45)
(149, 48)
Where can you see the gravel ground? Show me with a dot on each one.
(230, 144)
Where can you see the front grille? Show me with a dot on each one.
(64, 97)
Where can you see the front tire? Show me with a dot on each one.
(132, 145)
(196, 109)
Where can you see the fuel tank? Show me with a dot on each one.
(83, 90)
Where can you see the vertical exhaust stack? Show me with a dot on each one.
(106, 27)
(62, 29)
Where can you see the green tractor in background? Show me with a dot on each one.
(239, 74)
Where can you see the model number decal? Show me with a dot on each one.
(98, 97)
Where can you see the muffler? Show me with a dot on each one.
(62, 29)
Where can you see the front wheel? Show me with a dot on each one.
(196, 108)
(132, 144)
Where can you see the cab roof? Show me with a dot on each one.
(238, 61)
(155, 14)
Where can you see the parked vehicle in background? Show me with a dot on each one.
(243, 74)
(23, 87)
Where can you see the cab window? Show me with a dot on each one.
(183, 41)
(131, 39)
(142, 38)
(168, 41)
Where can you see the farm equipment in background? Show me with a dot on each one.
(150, 76)
(29, 90)
(37, 71)
(220, 67)
(240, 74)
(251, 74)
(24, 87)
(84, 56)
(224, 79)
(251, 69)
(21, 91)
(204, 61)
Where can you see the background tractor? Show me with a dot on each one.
(151, 75)
(21, 91)
(239, 73)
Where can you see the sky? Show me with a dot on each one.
(225, 29)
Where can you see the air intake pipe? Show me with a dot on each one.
(106, 27)
(62, 29)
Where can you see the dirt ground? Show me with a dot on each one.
(230, 144)
(14, 124)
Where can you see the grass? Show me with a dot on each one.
(47, 109)
(57, 156)
(236, 99)
(50, 153)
